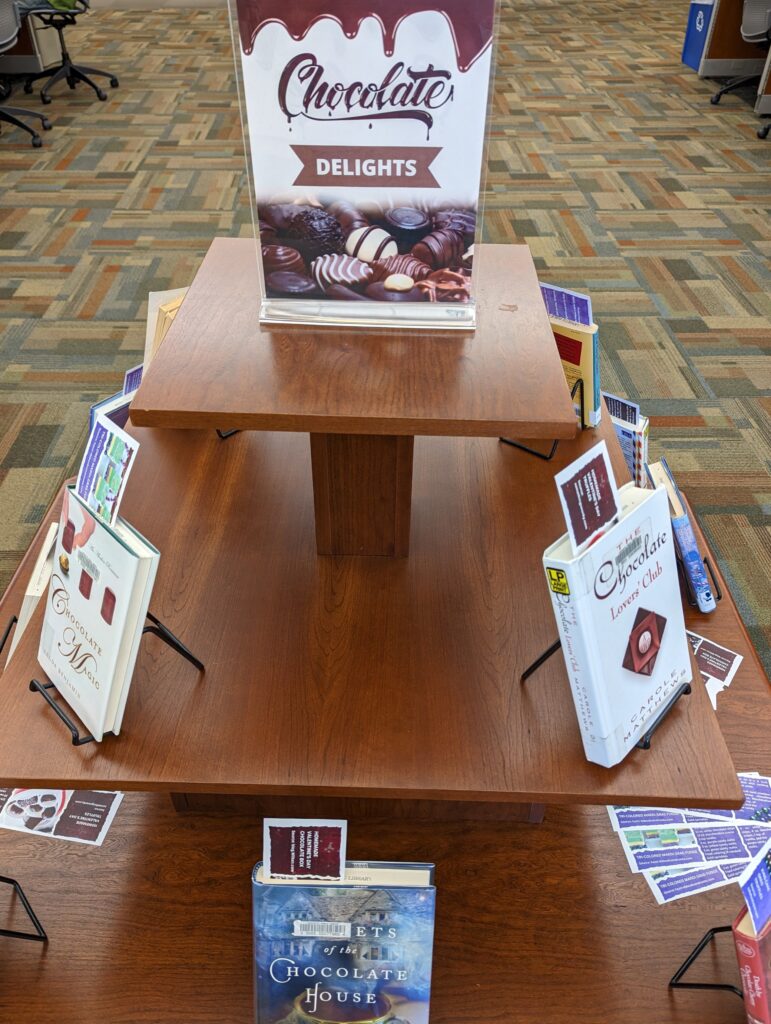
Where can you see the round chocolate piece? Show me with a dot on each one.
(267, 231)
(463, 221)
(348, 216)
(288, 282)
(339, 291)
(281, 257)
(407, 225)
(337, 268)
(314, 232)
(443, 248)
(371, 244)
(644, 642)
(378, 291)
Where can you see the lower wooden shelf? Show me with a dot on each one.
(534, 923)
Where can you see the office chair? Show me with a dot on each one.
(10, 24)
(73, 73)
(756, 28)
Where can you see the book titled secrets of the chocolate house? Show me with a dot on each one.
(345, 952)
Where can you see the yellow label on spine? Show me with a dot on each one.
(558, 581)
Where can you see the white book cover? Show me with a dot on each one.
(95, 609)
(620, 620)
(38, 581)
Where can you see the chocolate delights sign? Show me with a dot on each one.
(366, 128)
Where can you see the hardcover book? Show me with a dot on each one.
(579, 349)
(347, 952)
(95, 610)
(753, 952)
(620, 620)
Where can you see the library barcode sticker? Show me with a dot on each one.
(628, 550)
(322, 929)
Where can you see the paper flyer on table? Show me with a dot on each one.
(77, 815)
(755, 884)
(680, 846)
(670, 884)
(107, 462)
(650, 817)
(757, 801)
(717, 664)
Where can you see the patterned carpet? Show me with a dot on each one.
(607, 158)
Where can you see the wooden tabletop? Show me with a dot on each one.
(218, 368)
(355, 677)
(534, 923)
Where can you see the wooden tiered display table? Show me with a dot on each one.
(361, 394)
(353, 677)
(386, 683)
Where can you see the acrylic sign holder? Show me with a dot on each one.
(366, 124)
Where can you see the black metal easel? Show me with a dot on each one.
(644, 743)
(693, 956)
(158, 629)
(578, 388)
(39, 934)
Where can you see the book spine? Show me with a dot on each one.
(577, 649)
(596, 411)
(754, 983)
(692, 562)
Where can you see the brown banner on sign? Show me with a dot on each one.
(368, 166)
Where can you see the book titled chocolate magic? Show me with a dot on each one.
(346, 952)
(366, 128)
(620, 617)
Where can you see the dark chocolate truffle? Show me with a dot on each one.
(407, 225)
(443, 248)
(287, 282)
(316, 232)
(348, 216)
(281, 257)
(464, 221)
(378, 291)
(339, 291)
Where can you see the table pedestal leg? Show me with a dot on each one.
(362, 492)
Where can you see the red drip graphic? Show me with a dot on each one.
(471, 24)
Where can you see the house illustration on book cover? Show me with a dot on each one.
(343, 954)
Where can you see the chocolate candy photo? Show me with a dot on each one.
(337, 249)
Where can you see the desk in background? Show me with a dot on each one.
(36, 49)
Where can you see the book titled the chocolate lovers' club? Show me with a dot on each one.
(366, 124)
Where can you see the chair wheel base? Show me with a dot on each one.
(114, 83)
(47, 126)
(28, 87)
(45, 99)
(763, 132)
(37, 142)
(714, 100)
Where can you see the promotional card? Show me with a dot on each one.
(588, 495)
(304, 848)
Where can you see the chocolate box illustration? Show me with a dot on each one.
(366, 129)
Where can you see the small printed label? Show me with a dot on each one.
(558, 581)
(322, 929)
(628, 550)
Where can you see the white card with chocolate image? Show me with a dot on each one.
(366, 127)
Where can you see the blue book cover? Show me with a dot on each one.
(352, 952)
